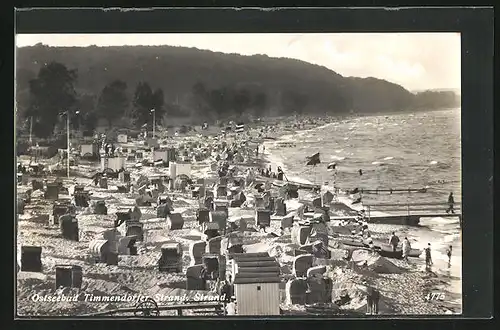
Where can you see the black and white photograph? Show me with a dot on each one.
(238, 174)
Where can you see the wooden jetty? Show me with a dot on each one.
(409, 213)
(389, 191)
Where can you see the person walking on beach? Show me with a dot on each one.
(428, 258)
(372, 299)
(451, 203)
(375, 298)
(394, 241)
(280, 173)
(406, 248)
(448, 253)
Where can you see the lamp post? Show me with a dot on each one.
(154, 121)
(67, 141)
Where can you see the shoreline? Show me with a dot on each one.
(412, 282)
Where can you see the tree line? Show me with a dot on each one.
(124, 97)
(52, 96)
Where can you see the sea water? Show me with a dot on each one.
(408, 150)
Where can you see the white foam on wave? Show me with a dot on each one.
(337, 157)
(434, 162)
(388, 158)
(377, 163)
(346, 138)
(451, 237)
(339, 150)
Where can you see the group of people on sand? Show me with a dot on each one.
(373, 295)
(406, 249)
(268, 173)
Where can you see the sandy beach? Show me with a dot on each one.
(405, 287)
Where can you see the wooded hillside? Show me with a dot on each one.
(200, 84)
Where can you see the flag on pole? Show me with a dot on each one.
(313, 160)
(240, 128)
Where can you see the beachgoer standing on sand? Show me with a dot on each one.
(406, 248)
(231, 308)
(428, 258)
(96, 178)
(375, 298)
(451, 203)
(372, 299)
(448, 253)
(394, 241)
(225, 292)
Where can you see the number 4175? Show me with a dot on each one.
(435, 296)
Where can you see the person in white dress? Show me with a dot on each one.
(406, 248)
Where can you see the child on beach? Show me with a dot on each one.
(448, 253)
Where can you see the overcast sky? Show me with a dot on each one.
(413, 60)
